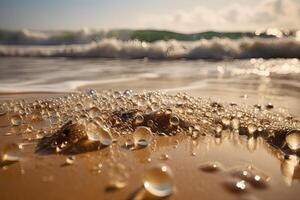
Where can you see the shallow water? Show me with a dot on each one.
(263, 81)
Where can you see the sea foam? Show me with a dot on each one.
(217, 48)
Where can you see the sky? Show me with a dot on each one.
(176, 15)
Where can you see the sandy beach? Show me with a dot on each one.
(117, 173)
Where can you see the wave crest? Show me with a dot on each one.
(216, 48)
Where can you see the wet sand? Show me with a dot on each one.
(38, 176)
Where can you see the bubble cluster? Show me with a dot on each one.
(105, 116)
(256, 178)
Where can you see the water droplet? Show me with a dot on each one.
(219, 128)
(16, 120)
(127, 93)
(94, 112)
(293, 140)
(10, 153)
(3, 110)
(253, 176)
(154, 106)
(226, 121)
(236, 185)
(129, 144)
(96, 132)
(92, 92)
(241, 185)
(116, 185)
(158, 181)
(98, 168)
(251, 128)
(174, 120)
(164, 157)
(117, 94)
(70, 160)
(235, 123)
(195, 134)
(139, 119)
(142, 136)
(78, 107)
(269, 106)
(211, 166)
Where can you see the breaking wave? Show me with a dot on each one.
(216, 48)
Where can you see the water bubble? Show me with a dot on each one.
(253, 176)
(98, 168)
(129, 144)
(78, 107)
(94, 112)
(142, 102)
(174, 120)
(164, 157)
(251, 128)
(92, 92)
(236, 185)
(257, 106)
(3, 110)
(226, 121)
(241, 185)
(117, 94)
(10, 153)
(158, 181)
(211, 167)
(195, 134)
(269, 106)
(70, 160)
(96, 132)
(139, 119)
(142, 136)
(189, 111)
(293, 140)
(116, 185)
(155, 106)
(16, 120)
(239, 114)
(127, 93)
(235, 122)
(219, 128)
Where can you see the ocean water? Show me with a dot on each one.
(274, 80)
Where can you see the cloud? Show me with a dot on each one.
(268, 13)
